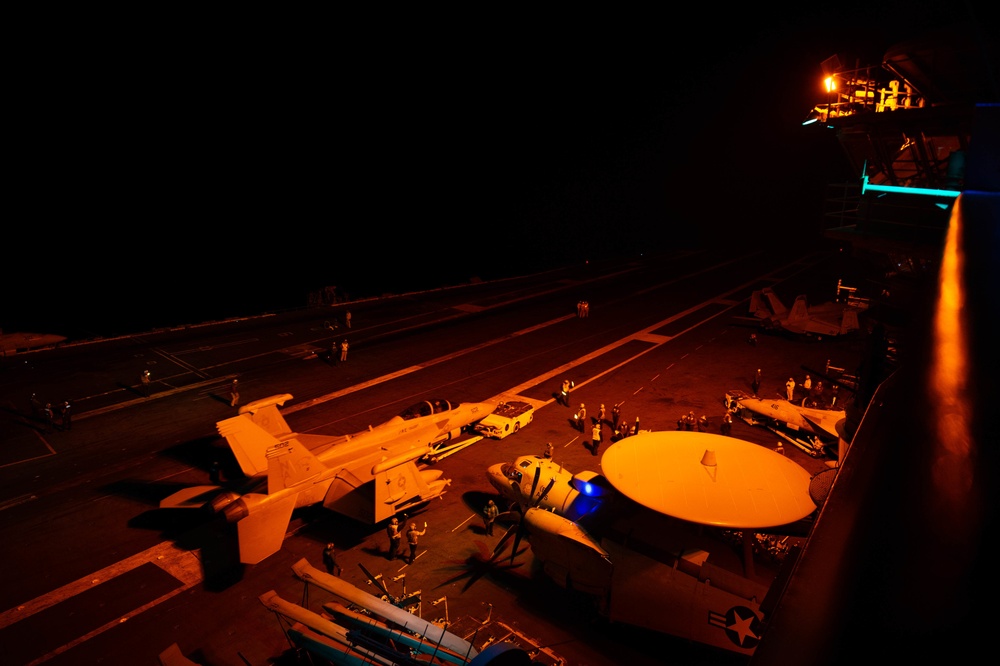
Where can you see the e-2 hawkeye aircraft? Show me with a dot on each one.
(683, 533)
(802, 319)
(369, 476)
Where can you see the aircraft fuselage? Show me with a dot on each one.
(820, 422)
(570, 495)
(629, 558)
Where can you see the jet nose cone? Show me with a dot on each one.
(481, 409)
(470, 412)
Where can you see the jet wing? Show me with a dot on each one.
(824, 424)
(539, 521)
(570, 556)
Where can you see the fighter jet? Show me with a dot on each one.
(369, 476)
(820, 423)
(803, 319)
(656, 539)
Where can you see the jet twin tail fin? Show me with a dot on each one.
(258, 428)
(849, 322)
(777, 307)
(264, 412)
(757, 307)
(800, 311)
(249, 442)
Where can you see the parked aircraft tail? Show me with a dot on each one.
(757, 307)
(849, 322)
(262, 520)
(777, 307)
(259, 427)
(800, 311)
(264, 412)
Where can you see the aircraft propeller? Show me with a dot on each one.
(480, 564)
(504, 539)
(518, 530)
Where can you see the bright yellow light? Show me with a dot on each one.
(831, 84)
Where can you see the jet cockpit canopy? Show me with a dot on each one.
(425, 408)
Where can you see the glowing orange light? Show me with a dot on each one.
(831, 84)
(949, 372)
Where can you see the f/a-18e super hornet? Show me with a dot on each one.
(802, 319)
(369, 476)
(683, 533)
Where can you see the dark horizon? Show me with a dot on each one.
(165, 187)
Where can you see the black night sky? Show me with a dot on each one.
(201, 174)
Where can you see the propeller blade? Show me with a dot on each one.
(534, 482)
(521, 527)
(511, 516)
(503, 541)
(545, 492)
(517, 539)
